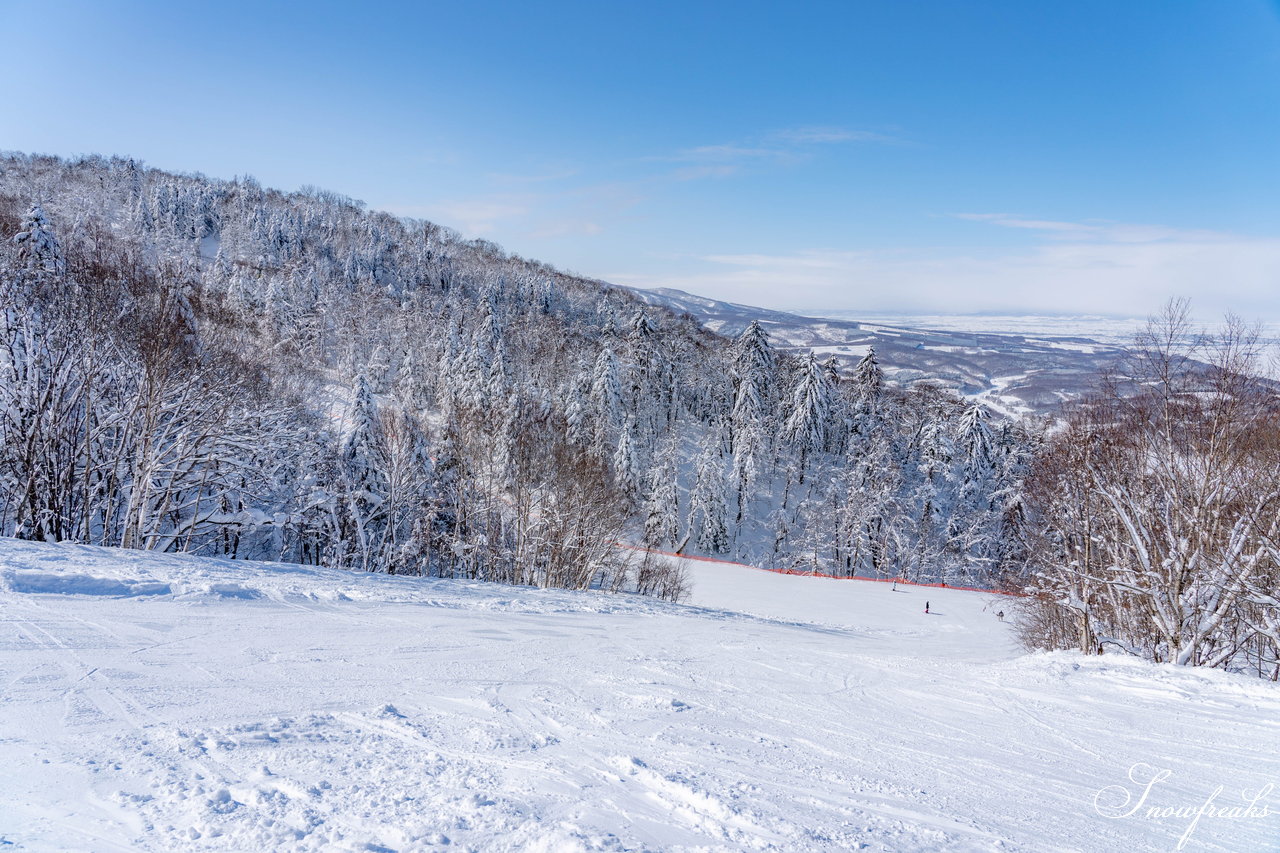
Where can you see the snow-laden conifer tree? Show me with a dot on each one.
(818, 548)
(868, 378)
(579, 428)
(707, 517)
(626, 468)
(662, 507)
(974, 445)
(606, 401)
(746, 468)
(809, 417)
(837, 430)
(871, 518)
(648, 389)
(754, 369)
(490, 343)
(38, 248)
(363, 475)
(932, 497)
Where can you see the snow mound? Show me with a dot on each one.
(44, 583)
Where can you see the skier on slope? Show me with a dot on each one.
(926, 607)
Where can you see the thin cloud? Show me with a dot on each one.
(827, 135)
(475, 217)
(1115, 232)
(723, 153)
(583, 211)
(566, 228)
(1009, 221)
(710, 170)
(562, 201)
(782, 146)
(537, 178)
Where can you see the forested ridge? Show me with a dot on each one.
(211, 366)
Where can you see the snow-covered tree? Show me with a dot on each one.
(364, 473)
(626, 468)
(707, 518)
(38, 248)
(809, 417)
(606, 400)
(754, 367)
(662, 507)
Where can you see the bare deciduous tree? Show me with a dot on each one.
(1158, 507)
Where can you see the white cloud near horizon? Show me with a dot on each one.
(1081, 268)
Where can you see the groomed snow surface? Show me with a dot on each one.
(169, 703)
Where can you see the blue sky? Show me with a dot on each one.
(934, 156)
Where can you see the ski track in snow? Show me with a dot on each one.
(157, 702)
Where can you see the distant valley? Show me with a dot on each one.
(1014, 374)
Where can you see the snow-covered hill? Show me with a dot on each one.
(166, 703)
(1011, 372)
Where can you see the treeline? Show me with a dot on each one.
(210, 366)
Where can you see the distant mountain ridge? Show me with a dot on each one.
(1013, 374)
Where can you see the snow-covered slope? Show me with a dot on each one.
(1012, 371)
(166, 703)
